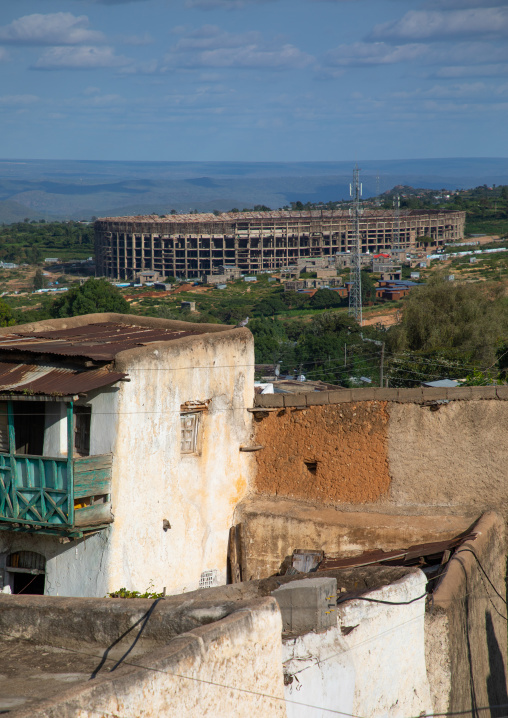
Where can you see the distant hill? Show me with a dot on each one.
(52, 189)
(12, 211)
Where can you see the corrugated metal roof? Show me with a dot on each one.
(102, 341)
(408, 556)
(53, 381)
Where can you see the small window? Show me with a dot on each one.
(82, 419)
(189, 424)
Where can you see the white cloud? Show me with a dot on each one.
(79, 58)
(144, 39)
(103, 101)
(60, 28)
(434, 25)
(374, 53)
(209, 46)
(18, 100)
(445, 54)
(488, 70)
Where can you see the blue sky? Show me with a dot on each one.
(253, 79)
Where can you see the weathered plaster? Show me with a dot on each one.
(152, 481)
(324, 675)
(229, 668)
(468, 661)
(76, 568)
(453, 458)
(387, 648)
(139, 423)
(272, 529)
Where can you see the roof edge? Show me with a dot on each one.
(101, 318)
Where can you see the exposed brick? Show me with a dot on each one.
(484, 392)
(459, 392)
(502, 391)
(318, 398)
(295, 399)
(269, 400)
(413, 395)
(362, 394)
(339, 397)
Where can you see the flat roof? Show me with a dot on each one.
(272, 214)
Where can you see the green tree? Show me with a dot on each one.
(368, 289)
(6, 316)
(468, 320)
(94, 296)
(39, 280)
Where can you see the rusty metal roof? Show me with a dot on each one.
(408, 556)
(101, 342)
(53, 381)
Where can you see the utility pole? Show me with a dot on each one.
(381, 365)
(355, 294)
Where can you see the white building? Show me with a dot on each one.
(120, 461)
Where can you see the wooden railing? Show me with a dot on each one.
(41, 492)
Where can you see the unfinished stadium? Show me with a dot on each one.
(194, 244)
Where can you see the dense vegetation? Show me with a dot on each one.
(449, 330)
(31, 242)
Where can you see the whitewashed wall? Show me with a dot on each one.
(152, 481)
(139, 423)
(378, 669)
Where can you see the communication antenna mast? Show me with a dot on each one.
(396, 224)
(355, 295)
(378, 191)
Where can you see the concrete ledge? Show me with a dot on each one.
(296, 399)
(318, 398)
(416, 395)
(269, 400)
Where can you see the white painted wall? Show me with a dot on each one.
(377, 670)
(76, 568)
(55, 429)
(139, 423)
(324, 675)
(152, 481)
(388, 651)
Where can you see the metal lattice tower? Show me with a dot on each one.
(355, 295)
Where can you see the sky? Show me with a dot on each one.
(253, 80)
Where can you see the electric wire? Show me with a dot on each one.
(277, 698)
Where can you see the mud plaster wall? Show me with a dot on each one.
(334, 453)
(454, 458)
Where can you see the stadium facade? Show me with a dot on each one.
(195, 244)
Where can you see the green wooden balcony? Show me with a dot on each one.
(49, 495)
(40, 492)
